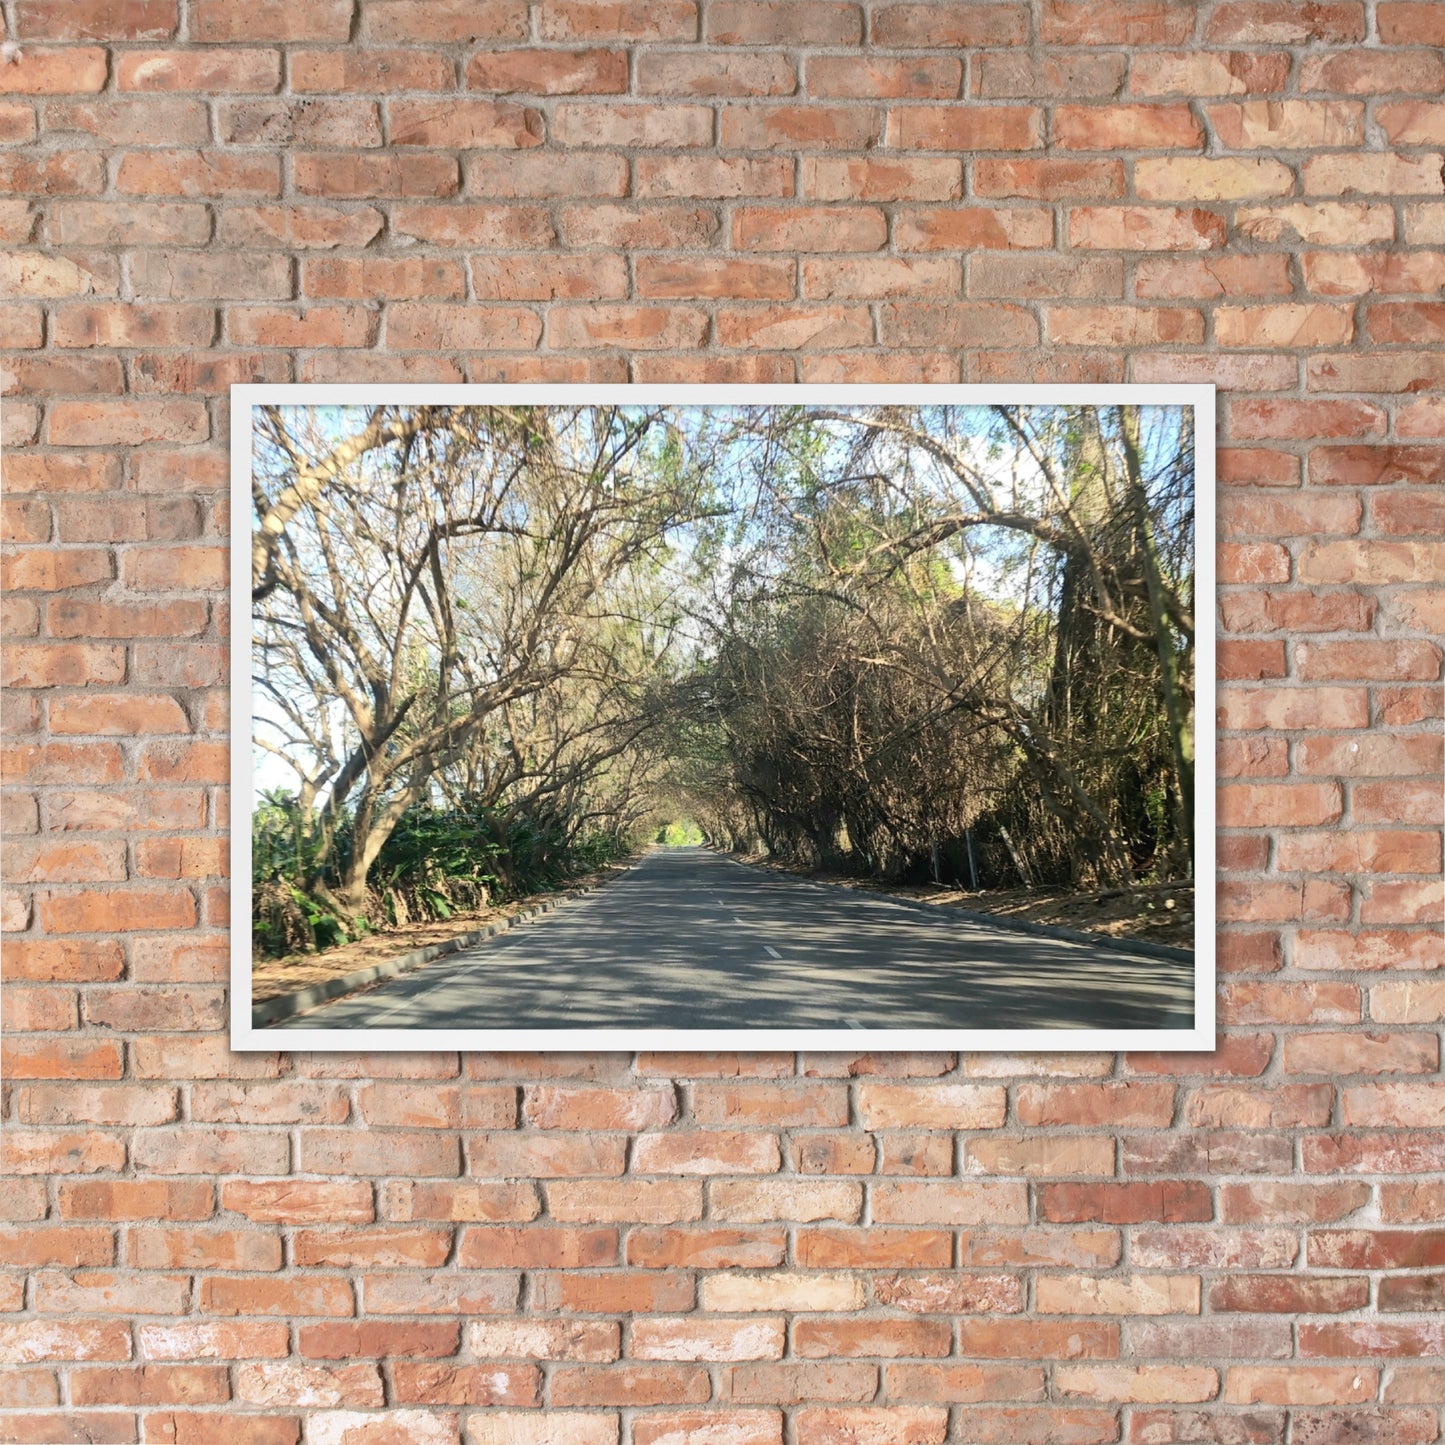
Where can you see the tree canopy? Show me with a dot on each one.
(894, 640)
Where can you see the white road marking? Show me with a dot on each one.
(771, 952)
(853, 1024)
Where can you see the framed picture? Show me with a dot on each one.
(824, 717)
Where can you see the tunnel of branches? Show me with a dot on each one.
(498, 646)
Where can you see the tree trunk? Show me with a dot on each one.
(1176, 707)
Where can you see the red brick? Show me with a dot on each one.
(60, 173)
(701, 1338)
(416, 1292)
(628, 20)
(927, 1202)
(119, 324)
(613, 1292)
(544, 1156)
(413, 1106)
(1291, 1003)
(198, 174)
(1235, 1106)
(288, 1384)
(200, 1151)
(1145, 228)
(1212, 72)
(299, 1202)
(556, 1107)
(1126, 127)
(62, 472)
(873, 1248)
(1283, 325)
(416, 325)
(1210, 277)
(949, 1383)
(1116, 1105)
(1038, 1340)
(69, 665)
(634, 327)
(795, 1383)
(1052, 179)
(926, 27)
(816, 228)
(362, 177)
(370, 71)
(1124, 326)
(55, 70)
(695, 277)
(591, 126)
(642, 1201)
(270, 20)
(342, 1340)
(150, 1385)
(128, 423)
(29, 1341)
(446, 1384)
(882, 276)
(123, 1200)
(116, 911)
(1175, 1201)
(407, 22)
(383, 1152)
(1298, 1384)
(950, 1293)
(1302, 707)
(1404, 902)
(849, 77)
(540, 1247)
(1019, 74)
(321, 1295)
(959, 128)
(58, 1246)
(974, 228)
(200, 70)
(790, 127)
(707, 1152)
(534, 278)
(714, 74)
(1257, 21)
(1335, 174)
(203, 1249)
(890, 1425)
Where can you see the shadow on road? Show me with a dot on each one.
(693, 940)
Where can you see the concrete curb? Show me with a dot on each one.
(997, 920)
(287, 1005)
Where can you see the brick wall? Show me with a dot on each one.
(1242, 1247)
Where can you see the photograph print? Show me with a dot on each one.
(722, 717)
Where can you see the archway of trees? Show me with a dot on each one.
(496, 645)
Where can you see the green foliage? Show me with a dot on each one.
(284, 853)
(438, 863)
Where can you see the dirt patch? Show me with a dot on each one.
(1158, 913)
(271, 977)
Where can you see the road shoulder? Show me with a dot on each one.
(946, 904)
(276, 1005)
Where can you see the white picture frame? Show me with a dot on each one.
(1177, 1029)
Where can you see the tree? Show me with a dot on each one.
(423, 570)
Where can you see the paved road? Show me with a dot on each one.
(690, 939)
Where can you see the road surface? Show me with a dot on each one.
(690, 939)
